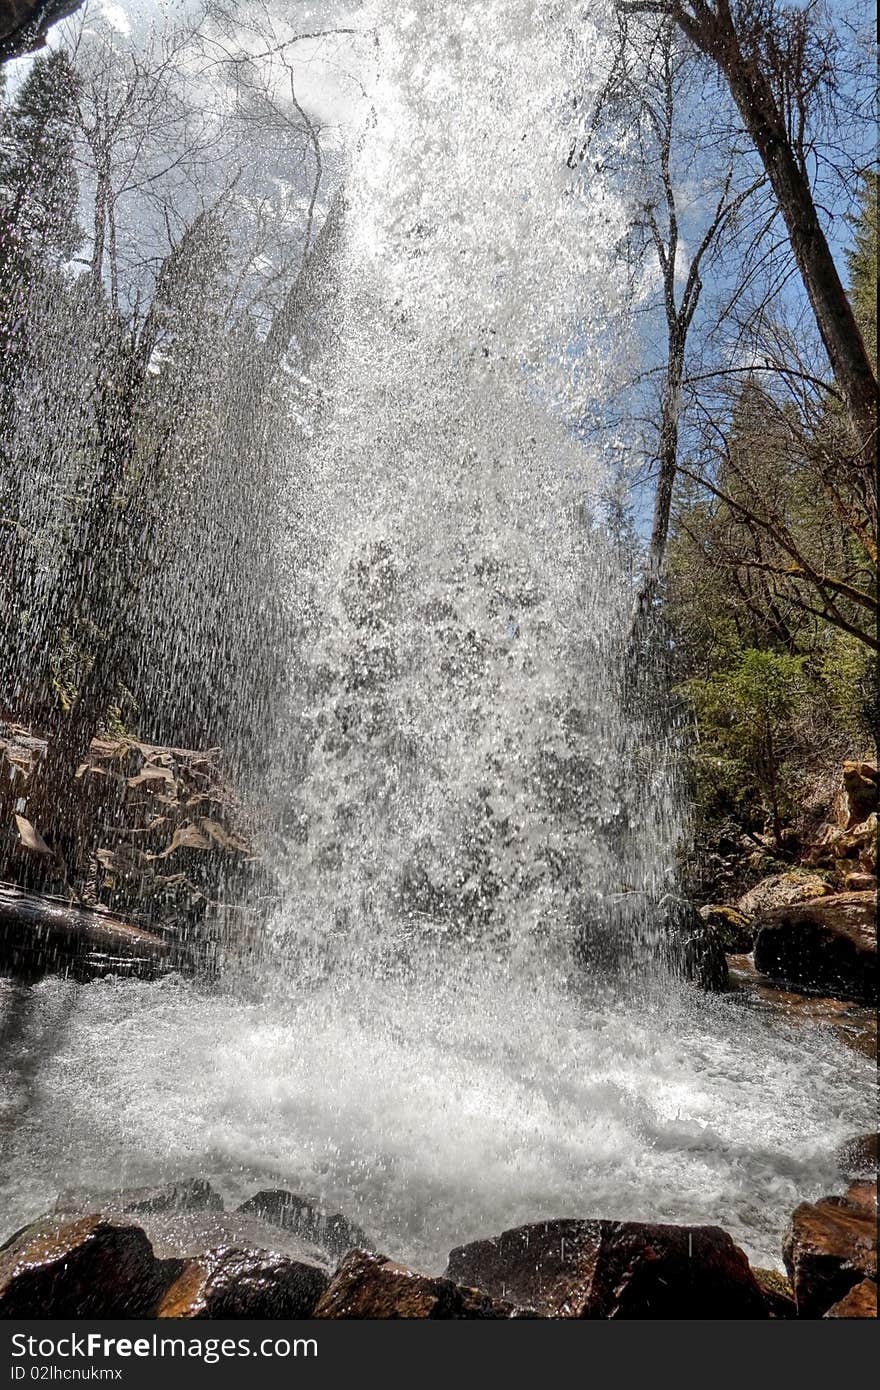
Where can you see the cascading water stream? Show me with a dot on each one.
(463, 1016)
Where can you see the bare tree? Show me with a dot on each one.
(775, 62)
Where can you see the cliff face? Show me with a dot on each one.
(24, 23)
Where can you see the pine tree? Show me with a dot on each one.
(38, 184)
(862, 264)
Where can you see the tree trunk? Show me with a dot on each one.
(833, 312)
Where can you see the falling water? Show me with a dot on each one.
(463, 1015)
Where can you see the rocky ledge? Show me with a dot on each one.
(174, 1252)
(813, 927)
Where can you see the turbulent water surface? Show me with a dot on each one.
(431, 1120)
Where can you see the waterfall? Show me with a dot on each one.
(462, 1014)
(465, 777)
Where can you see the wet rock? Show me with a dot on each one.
(371, 1286)
(232, 1283)
(850, 850)
(860, 1302)
(780, 890)
(735, 929)
(860, 782)
(92, 1267)
(829, 946)
(187, 1235)
(830, 1246)
(614, 1269)
(858, 1156)
(191, 1194)
(777, 1293)
(304, 1217)
(700, 946)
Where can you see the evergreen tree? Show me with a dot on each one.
(862, 263)
(38, 184)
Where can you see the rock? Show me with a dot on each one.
(92, 1267)
(736, 931)
(779, 890)
(830, 1246)
(849, 850)
(232, 1283)
(614, 1269)
(777, 1292)
(699, 944)
(187, 1235)
(304, 1217)
(860, 1302)
(828, 945)
(860, 782)
(858, 1156)
(191, 1194)
(860, 883)
(371, 1286)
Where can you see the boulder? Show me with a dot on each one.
(860, 783)
(860, 883)
(828, 946)
(699, 945)
(849, 850)
(777, 1292)
(857, 1157)
(613, 1269)
(91, 1267)
(304, 1217)
(860, 1302)
(780, 890)
(232, 1283)
(191, 1194)
(830, 1246)
(371, 1286)
(735, 929)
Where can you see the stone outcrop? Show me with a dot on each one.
(828, 945)
(860, 1302)
(780, 890)
(233, 1283)
(25, 23)
(613, 1269)
(91, 1267)
(304, 1217)
(777, 1293)
(861, 786)
(371, 1286)
(830, 1247)
(735, 929)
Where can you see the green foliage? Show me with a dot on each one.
(745, 713)
(862, 263)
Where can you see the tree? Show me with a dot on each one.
(39, 188)
(862, 263)
(773, 59)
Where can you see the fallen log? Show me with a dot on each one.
(40, 935)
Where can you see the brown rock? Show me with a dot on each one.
(735, 929)
(371, 1286)
(860, 1302)
(860, 782)
(230, 1283)
(780, 890)
(614, 1269)
(860, 883)
(93, 1267)
(829, 946)
(830, 1246)
(777, 1292)
(304, 1217)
